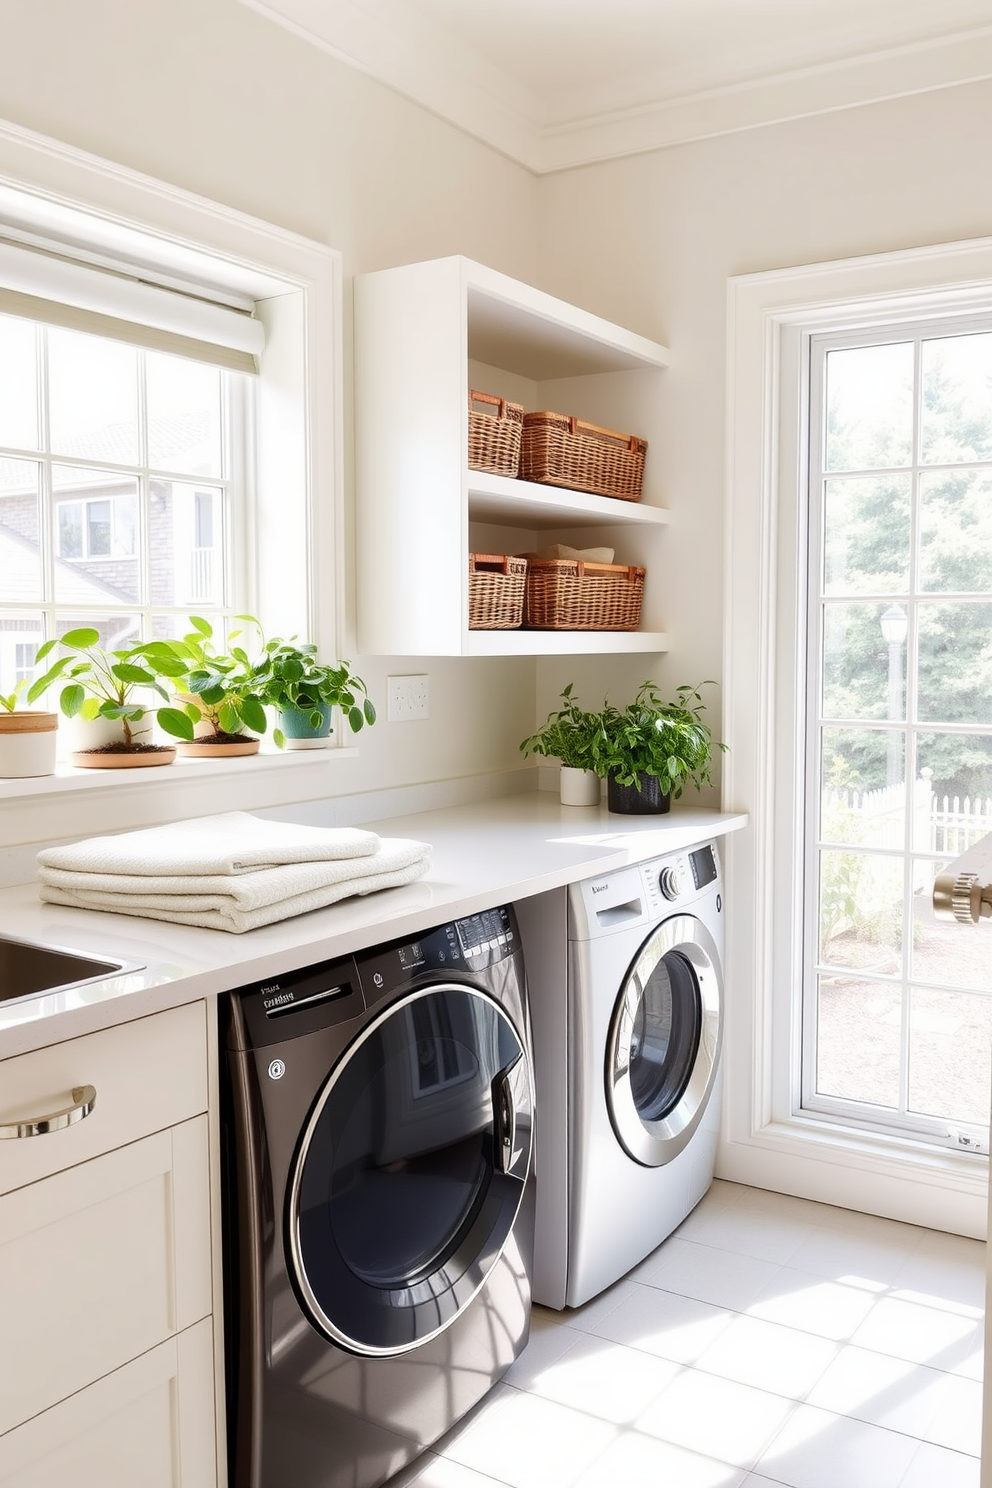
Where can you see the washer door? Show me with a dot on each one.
(411, 1170)
(664, 1042)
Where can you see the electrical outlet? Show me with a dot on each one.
(408, 698)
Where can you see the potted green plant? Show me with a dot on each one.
(107, 685)
(27, 737)
(651, 749)
(224, 690)
(304, 692)
(567, 735)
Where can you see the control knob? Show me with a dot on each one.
(671, 881)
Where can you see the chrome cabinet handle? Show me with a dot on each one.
(83, 1101)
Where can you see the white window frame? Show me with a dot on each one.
(854, 1112)
(766, 1141)
(296, 529)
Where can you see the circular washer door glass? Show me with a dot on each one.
(665, 1041)
(411, 1170)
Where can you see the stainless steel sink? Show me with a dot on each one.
(27, 969)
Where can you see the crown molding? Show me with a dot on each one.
(453, 81)
(802, 93)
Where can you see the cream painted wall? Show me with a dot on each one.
(650, 241)
(209, 96)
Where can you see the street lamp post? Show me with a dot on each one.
(895, 625)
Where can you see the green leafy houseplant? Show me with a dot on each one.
(222, 688)
(9, 702)
(666, 741)
(108, 684)
(295, 682)
(566, 734)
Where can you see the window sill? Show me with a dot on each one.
(68, 778)
(818, 1135)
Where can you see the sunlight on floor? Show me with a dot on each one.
(769, 1341)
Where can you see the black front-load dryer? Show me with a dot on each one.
(377, 1122)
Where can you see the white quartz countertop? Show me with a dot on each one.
(484, 854)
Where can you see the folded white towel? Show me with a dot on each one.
(223, 912)
(236, 891)
(233, 842)
(588, 555)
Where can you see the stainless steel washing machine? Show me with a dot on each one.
(377, 1120)
(627, 1001)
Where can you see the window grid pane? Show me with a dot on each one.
(901, 696)
(104, 519)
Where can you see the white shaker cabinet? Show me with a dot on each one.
(424, 335)
(106, 1263)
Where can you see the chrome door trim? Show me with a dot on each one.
(654, 1143)
(421, 1291)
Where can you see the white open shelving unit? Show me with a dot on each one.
(424, 335)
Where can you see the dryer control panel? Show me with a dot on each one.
(467, 945)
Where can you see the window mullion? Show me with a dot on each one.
(912, 714)
(811, 854)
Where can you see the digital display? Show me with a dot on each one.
(488, 934)
(411, 956)
(703, 864)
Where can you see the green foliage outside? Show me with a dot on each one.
(866, 552)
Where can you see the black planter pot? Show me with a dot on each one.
(643, 799)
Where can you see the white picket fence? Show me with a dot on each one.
(945, 826)
(957, 825)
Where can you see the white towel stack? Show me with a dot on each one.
(229, 872)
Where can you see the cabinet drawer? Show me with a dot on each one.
(149, 1424)
(99, 1264)
(148, 1074)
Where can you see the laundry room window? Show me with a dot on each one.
(897, 1011)
(123, 499)
(856, 711)
(170, 428)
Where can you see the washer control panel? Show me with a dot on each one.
(672, 881)
(678, 878)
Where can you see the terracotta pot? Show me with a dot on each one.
(121, 759)
(203, 745)
(578, 787)
(643, 799)
(27, 744)
(203, 749)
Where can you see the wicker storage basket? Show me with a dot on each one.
(494, 438)
(559, 450)
(496, 587)
(568, 594)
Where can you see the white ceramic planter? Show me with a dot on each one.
(93, 733)
(579, 787)
(27, 744)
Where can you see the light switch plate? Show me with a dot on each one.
(408, 698)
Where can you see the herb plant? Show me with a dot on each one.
(567, 734)
(653, 737)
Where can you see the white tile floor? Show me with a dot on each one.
(769, 1341)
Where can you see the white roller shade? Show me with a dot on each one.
(41, 285)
